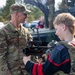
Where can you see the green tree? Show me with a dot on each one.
(1, 19)
(30, 18)
(35, 14)
(5, 10)
(46, 6)
(63, 5)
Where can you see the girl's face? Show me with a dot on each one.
(59, 31)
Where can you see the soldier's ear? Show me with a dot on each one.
(17, 14)
(64, 27)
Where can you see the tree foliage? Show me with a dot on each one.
(46, 6)
(1, 19)
(43, 7)
(63, 5)
(5, 10)
(35, 14)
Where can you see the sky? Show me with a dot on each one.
(56, 3)
(3, 2)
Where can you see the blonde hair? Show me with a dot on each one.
(67, 19)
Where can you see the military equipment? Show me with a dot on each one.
(38, 50)
(45, 35)
(35, 50)
(41, 37)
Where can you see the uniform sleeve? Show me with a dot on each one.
(58, 60)
(3, 63)
(29, 36)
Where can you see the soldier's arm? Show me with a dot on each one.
(29, 36)
(3, 60)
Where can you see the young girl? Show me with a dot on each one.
(59, 59)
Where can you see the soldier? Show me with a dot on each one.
(59, 59)
(13, 38)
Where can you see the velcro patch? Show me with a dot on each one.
(60, 47)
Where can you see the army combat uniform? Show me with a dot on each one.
(12, 42)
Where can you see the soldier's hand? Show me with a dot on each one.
(26, 59)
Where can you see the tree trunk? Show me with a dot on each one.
(46, 21)
(51, 14)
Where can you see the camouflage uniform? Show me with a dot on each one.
(12, 41)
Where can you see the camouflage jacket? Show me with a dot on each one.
(12, 41)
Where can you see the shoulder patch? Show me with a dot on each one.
(60, 47)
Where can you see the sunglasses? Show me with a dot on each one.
(25, 14)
